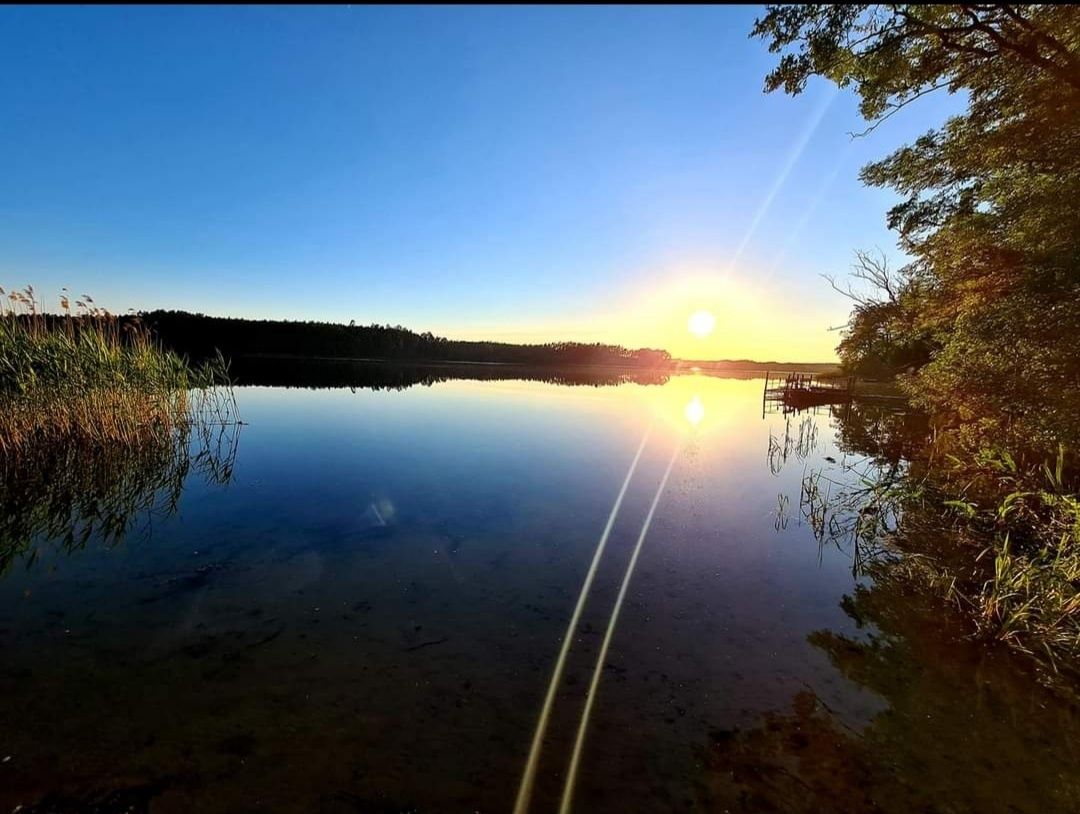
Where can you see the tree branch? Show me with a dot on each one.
(898, 106)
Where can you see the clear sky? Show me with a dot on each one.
(525, 174)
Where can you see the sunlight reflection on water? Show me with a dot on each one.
(368, 614)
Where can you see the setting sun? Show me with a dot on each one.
(695, 411)
(701, 324)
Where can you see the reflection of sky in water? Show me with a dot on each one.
(486, 500)
(486, 455)
(376, 601)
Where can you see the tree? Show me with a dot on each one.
(880, 338)
(989, 212)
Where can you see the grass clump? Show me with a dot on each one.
(995, 534)
(85, 376)
(1024, 520)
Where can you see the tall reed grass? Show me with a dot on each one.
(100, 426)
(85, 376)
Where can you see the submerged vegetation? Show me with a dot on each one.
(979, 328)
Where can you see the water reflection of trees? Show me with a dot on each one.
(880, 430)
(320, 373)
(962, 723)
(68, 495)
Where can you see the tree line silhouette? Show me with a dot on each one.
(199, 337)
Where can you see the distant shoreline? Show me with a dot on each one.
(199, 336)
(675, 366)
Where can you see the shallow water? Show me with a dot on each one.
(366, 615)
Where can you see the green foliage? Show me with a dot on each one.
(87, 376)
(1024, 520)
(995, 532)
(983, 322)
(988, 211)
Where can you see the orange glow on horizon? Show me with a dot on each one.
(708, 315)
(695, 316)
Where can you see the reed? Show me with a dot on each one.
(86, 376)
(100, 425)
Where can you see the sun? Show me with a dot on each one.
(694, 411)
(701, 324)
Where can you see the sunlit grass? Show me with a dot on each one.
(85, 376)
(997, 537)
(1028, 522)
(99, 425)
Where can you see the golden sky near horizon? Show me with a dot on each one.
(748, 322)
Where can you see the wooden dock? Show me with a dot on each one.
(794, 392)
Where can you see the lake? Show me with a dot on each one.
(355, 602)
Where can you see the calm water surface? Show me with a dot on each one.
(365, 617)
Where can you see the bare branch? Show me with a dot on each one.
(886, 285)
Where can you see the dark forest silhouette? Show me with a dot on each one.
(201, 337)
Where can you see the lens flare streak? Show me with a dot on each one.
(521, 806)
(579, 743)
(781, 178)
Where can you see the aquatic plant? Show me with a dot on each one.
(994, 533)
(98, 424)
(858, 508)
(87, 376)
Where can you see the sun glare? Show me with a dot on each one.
(701, 324)
(695, 411)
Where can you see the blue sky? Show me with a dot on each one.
(516, 173)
